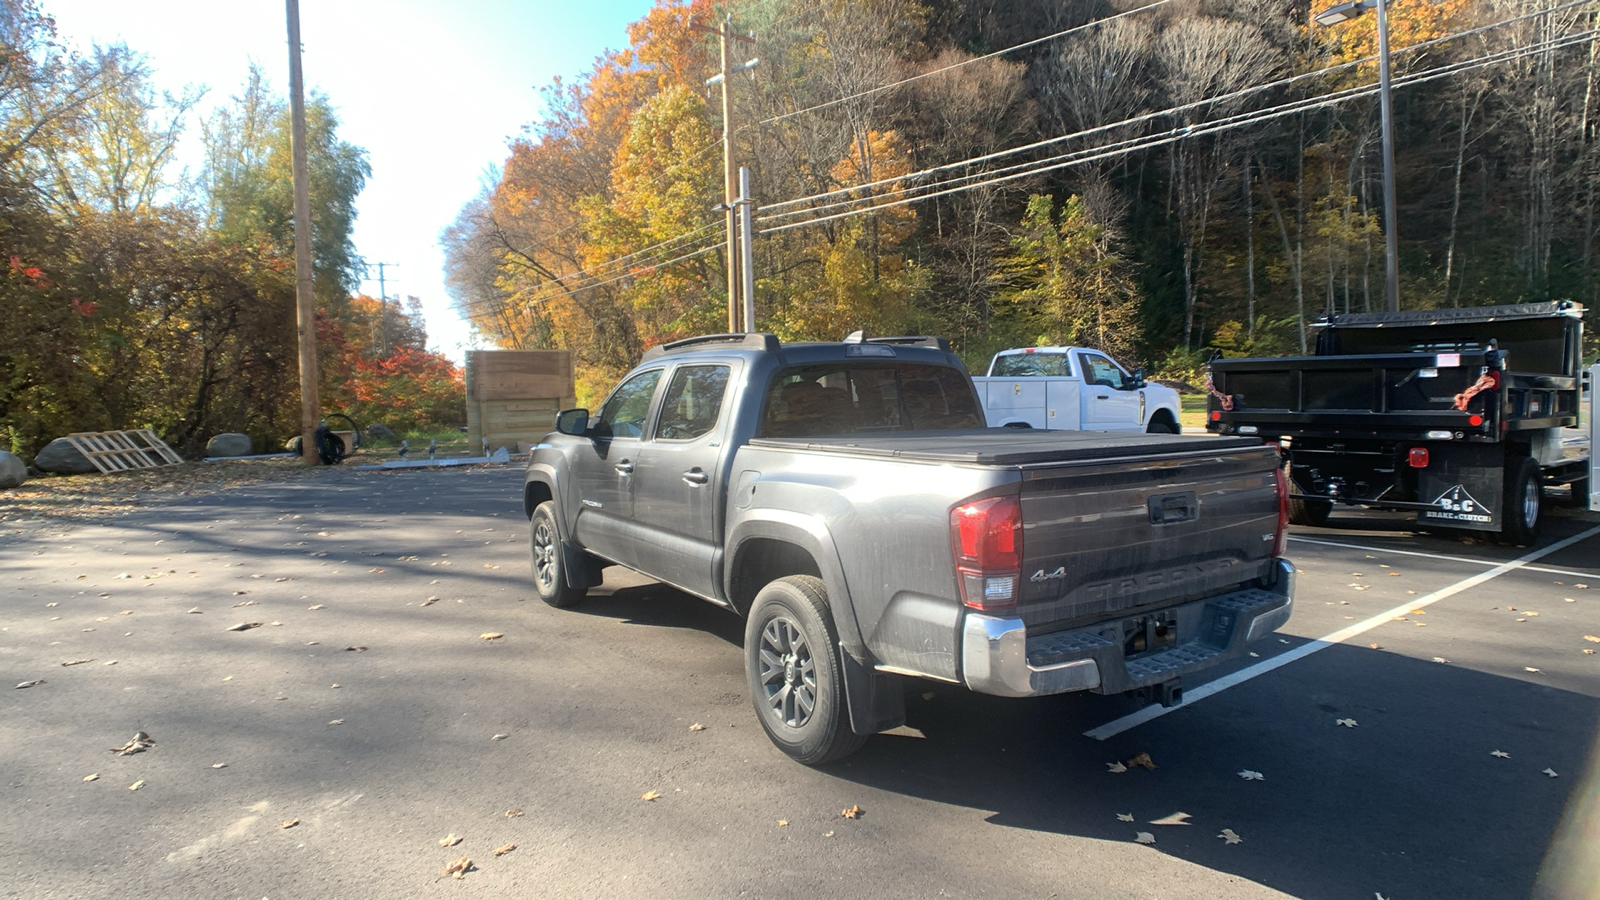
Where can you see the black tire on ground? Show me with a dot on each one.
(1306, 512)
(1162, 426)
(549, 567)
(1521, 504)
(791, 660)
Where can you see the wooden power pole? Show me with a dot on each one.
(729, 188)
(305, 302)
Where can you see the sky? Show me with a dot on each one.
(433, 91)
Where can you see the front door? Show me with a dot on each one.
(1110, 403)
(677, 479)
(604, 471)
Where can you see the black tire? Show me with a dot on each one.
(1521, 506)
(549, 565)
(1313, 513)
(1162, 426)
(791, 660)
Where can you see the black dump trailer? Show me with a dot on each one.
(1456, 414)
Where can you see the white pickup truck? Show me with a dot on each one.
(1073, 389)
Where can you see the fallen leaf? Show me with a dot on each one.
(1124, 817)
(1440, 659)
(1375, 646)
(356, 648)
(430, 601)
(245, 603)
(1531, 669)
(1143, 760)
(316, 606)
(1551, 773)
(243, 626)
(697, 727)
(1500, 753)
(1347, 723)
(1587, 652)
(457, 869)
(219, 765)
(1592, 639)
(1249, 775)
(195, 611)
(499, 737)
(783, 823)
(94, 777)
(377, 571)
(139, 742)
(649, 796)
(1177, 818)
(513, 813)
(335, 721)
(1394, 574)
(29, 684)
(1529, 612)
(490, 636)
(504, 849)
(827, 834)
(76, 662)
(136, 785)
(449, 840)
(852, 812)
(126, 612)
(1144, 837)
(288, 823)
(1230, 836)
(1116, 767)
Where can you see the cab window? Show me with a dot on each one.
(692, 403)
(624, 413)
(852, 398)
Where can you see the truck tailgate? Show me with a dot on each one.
(1143, 531)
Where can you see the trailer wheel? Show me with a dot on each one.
(1520, 507)
(1306, 512)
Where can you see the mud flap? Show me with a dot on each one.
(1466, 483)
(877, 701)
(576, 568)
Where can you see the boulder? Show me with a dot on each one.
(380, 432)
(13, 471)
(59, 457)
(294, 444)
(231, 444)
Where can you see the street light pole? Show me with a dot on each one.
(1344, 12)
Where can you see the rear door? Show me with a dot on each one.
(1108, 405)
(604, 470)
(677, 476)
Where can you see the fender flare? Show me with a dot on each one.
(809, 534)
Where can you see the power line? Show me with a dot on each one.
(1184, 133)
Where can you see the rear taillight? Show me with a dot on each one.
(1418, 457)
(986, 542)
(1280, 544)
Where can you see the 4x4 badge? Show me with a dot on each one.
(1041, 576)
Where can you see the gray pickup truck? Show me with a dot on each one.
(847, 500)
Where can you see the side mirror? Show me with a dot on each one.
(1135, 381)
(573, 421)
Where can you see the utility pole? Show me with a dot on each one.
(747, 262)
(305, 302)
(383, 310)
(725, 33)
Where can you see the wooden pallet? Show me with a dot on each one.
(123, 451)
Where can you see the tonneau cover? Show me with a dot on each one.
(1009, 446)
(1465, 315)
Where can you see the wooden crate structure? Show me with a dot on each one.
(121, 451)
(513, 395)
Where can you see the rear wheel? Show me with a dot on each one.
(1306, 512)
(1521, 503)
(549, 566)
(791, 654)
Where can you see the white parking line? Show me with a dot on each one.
(1462, 559)
(1118, 726)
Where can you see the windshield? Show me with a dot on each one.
(856, 397)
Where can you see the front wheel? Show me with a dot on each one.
(1521, 504)
(1161, 426)
(791, 655)
(549, 566)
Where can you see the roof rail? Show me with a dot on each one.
(755, 341)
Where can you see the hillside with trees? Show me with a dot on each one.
(1159, 179)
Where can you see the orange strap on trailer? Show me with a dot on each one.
(1485, 382)
(1224, 399)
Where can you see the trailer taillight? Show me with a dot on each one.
(986, 542)
(1216, 415)
(1418, 457)
(1475, 420)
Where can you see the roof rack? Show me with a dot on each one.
(914, 340)
(755, 341)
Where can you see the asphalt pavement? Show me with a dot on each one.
(1425, 726)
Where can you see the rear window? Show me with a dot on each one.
(1030, 365)
(857, 397)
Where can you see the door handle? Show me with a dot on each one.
(1102, 396)
(625, 467)
(695, 476)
